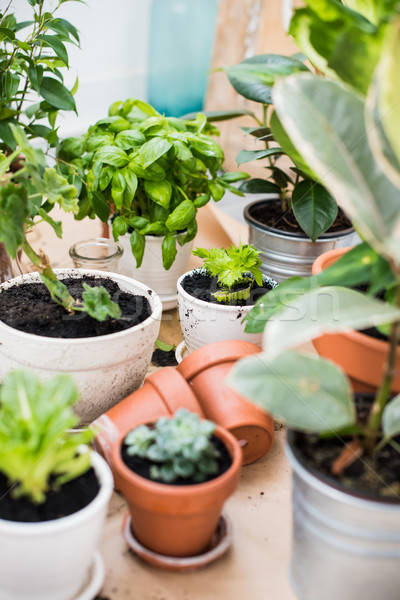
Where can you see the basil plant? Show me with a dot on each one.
(149, 173)
(352, 144)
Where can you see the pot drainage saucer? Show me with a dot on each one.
(94, 581)
(181, 352)
(220, 543)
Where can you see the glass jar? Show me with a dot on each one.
(102, 254)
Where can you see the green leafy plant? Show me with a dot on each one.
(29, 189)
(236, 269)
(37, 451)
(33, 55)
(181, 447)
(149, 172)
(351, 145)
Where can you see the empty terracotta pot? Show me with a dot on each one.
(162, 394)
(361, 356)
(176, 520)
(206, 370)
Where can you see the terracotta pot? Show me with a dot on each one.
(361, 356)
(162, 394)
(206, 370)
(176, 520)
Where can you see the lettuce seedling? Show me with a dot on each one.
(181, 447)
(236, 269)
(37, 450)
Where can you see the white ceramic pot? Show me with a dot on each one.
(151, 272)
(51, 560)
(105, 368)
(204, 322)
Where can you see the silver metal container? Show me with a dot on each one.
(344, 547)
(284, 254)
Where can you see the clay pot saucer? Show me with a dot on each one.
(220, 543)
(206, 370)
(361, 356)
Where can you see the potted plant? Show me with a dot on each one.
(149, 174)
(175, 475)
(213, 300)
(347, 512)
(112, 360)
(33, 56)
(54, 493)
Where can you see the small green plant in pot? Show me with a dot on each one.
(343, 449)
(49, 480)
(214, 299)
(176, 474)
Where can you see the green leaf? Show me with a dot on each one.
(153, 150)
(391, 418)
(131, 183)
(218, 115)
(304, 392)
(259, 186)
(164, 347)
(54, 42)
(168, 250)
(325, 310)
(314, 208)
(11, 84)
(254, 77)
(100, 206)
(71, 148)
(159, 191)
(118, 188)
(119, 227)
(106, 175)
(201, 200)
(13, 214)
(130, 138)
(56, 94)
(138, 242)
(331, 135)
(233, 177)
(111, 155)
(217, 190)
(245, 156)
(98, 304)
(181, 216)
(57, 189)
(286, 144)
(56, 225)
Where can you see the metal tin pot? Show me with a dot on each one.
(285, 254)
(343, 546)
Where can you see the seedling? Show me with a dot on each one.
(236, 269)
(181, 447)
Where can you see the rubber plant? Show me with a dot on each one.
(149, 173)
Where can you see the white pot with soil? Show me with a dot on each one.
(56, 559)
(106, 366)
(289, 253)
(151, 272)
(205, 320)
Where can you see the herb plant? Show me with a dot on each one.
(28, 191)
(37, 450)
(33, 56)
(181, 447)
(236, 269)
(150, 173)
(352, 145)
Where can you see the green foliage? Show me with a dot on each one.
(152, 173)
(180, 447)
(37, 450)
(236, 269)
(33, 56)
(98, 304)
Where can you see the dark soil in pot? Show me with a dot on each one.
(374, 478)
(270, 214)
(141, 466)
(29, 308)
(60, 501)
(163, 358)
(202, 286)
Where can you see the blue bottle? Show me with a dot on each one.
(180, 50)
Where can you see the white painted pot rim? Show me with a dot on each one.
(36, 529)
(155, 314)
(225, 307)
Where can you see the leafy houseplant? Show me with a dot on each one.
(213, 300)
(167, 518)
(150, 173)
(352, 146)
(42, 467)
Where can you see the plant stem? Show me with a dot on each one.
(383, 392)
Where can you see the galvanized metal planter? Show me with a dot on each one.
(343, 546)
(285, 254)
